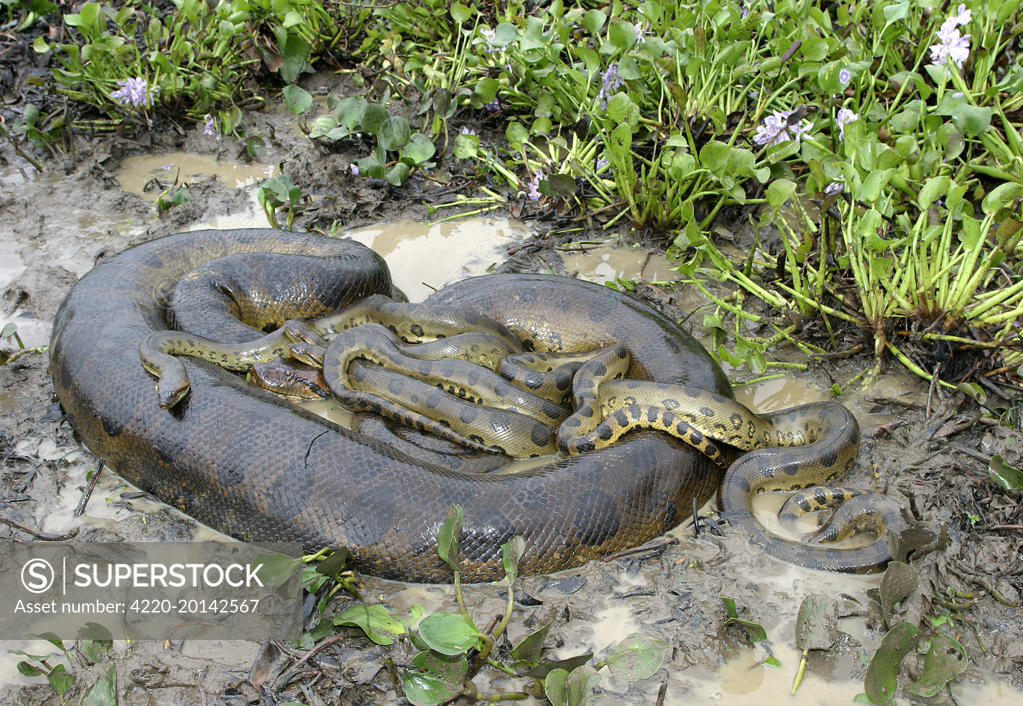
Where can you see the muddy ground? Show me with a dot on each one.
(56, 224)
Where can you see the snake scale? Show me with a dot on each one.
(253, 466)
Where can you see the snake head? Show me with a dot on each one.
(170, 390)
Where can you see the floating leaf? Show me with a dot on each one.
(946, 659)
(1004, 475)
(448, 633)
(374, 620)
(448, 536)
(880, 681)
(276, 570)
(637, 657)
(568, 664)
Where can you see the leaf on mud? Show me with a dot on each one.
(915, 539)
(104, 691)
(1004, 476)
(374, 620)
(546, 667)
(755, 631)
(817, 623)
(276, 569)
(880, 681)
(899, 580)
(573, 688)
(448, 633)
(946, 659)
(448, 535)
(435, 678)
(527, 652)
(297, 99)
(637, 657)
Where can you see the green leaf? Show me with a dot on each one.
(419, 149)
(374, 620)
(373, 116)
(932, 190)
(27, 670)
(460, 13)
(104, 691)
(60, 679)
(1003, 475)
(350, 111)
(276, 569)
(946, 659)
(562, 185)
(714, 156)
(896, 12)
(448, 633)
(398, 174)
(512, 550)
(466, 146)
(516, 134)
(371, 167)
(527, 652)
(637, 657)
(448, 537)
(1002, 196)
(8, 330)
(880, 681)
(622, 34)
(755, 631)
(435, 679)
(544, 668)
(297, 99)
(573, 688)
(394, 133)
(779, 191)
(817, 623)
(593, 20)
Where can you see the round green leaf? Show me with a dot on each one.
(880, 681)
(297, 99)
(779, 191)
(394, 133)
(418, 149)
(374, 620)
(637, 657)
(448, 633)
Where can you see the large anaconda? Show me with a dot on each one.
(257, 468)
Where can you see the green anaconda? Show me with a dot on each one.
(253, 466)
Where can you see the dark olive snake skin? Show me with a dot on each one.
(253, 466)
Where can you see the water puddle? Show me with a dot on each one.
(149, 175)
(423, 257)
(612, 262)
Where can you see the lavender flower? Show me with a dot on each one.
(490, 35)
(609, 83)
(134, 92)
(776, 129)
(844, 117)
(601, 163)
(534, 185)
(835, 187)
(844, 76)
(209, 126)
(493, 106)
(951, 43)
(354, 168)
(466, 131)
(641, 32)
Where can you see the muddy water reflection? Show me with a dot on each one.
(148, 175)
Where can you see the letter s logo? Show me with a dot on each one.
(37, 575)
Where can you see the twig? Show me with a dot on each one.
(41, 536)
(87, 493)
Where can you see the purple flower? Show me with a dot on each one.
(952, 44)
(534, 185)
(641, 32)
(493, 106)
(354, 169)
(134, 92)
(844, 76)
(833, 188)
(609, 83)
(844, 117)
(209, 126)
(490, 35)
(601, 163)
(466, 131)
(777, 128)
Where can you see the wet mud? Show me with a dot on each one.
(929, 454)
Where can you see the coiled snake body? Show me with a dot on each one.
(253, 466)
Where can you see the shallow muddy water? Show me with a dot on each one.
(674, 595)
